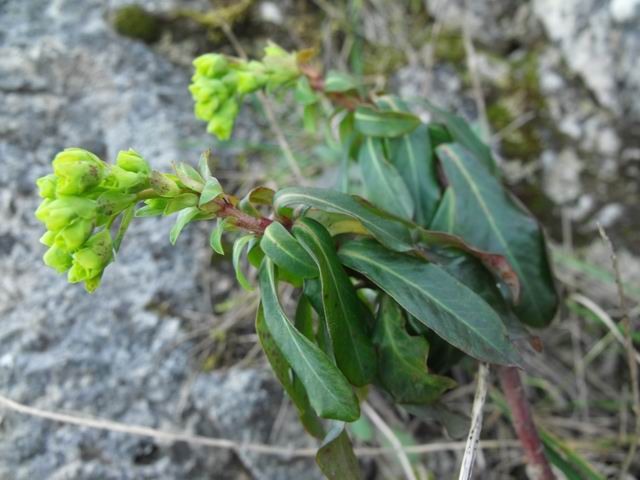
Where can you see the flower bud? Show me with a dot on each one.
(205, 110)
(77, 170)
(47, 186)
(74, 235)
(91, 260)
(57, 214)
(204, 89)
(48, 238)
(132, 161)
(249, 82)
(57, 259)
(221, 124)
(163, 185)
(211, 64)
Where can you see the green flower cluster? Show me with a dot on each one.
(82, 198)
(220, 83)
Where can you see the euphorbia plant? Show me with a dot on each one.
(433, 261)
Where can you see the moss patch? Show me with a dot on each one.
(135, 22)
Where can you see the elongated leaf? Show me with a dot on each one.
(285, 251)
(415, 162)
(184, 217)
(313, 292)
(282, 370)
(489, 218)
(339, 82)
(335, 456)
(494, 262)
(210, 191)
(347, 317)
(215, 240)
(461, 133)
(179, 202)
(403, 359)
(469, 271)
(445, 216)
(238, 248)
(256, 196)
(189, 177)
(337, 223)
(329, 392)
(434, 297)
(203, 165)
(382, 182)
(384, 123)
(390, 233)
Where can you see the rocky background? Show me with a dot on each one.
(154, 347)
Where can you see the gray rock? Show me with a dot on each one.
(67, 80)
(599, 41)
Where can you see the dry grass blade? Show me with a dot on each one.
(391, 437)
(471, 448)
(604, 317)
(632, 355)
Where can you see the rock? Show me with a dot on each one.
(494, 23)
(561, 176)
(599, 41)
(239, 405)
(66, 79)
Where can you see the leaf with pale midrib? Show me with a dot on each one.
(329, 392)
(489, 218)
(347, 317)
(435, 298)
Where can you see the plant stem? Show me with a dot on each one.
(523, 423)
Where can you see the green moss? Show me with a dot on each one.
(135, 22)
(449, 47)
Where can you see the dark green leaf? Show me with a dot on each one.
(347, 317)
(283, 372)
(189, 177)
(462, 134)
(335, 456)
(445, 216)
(285, 251)
(339, 82)
(390, 233)
(435, 298)
(210, 191)
(184, 217)
(238, 248)
(490, 218)
(383, 184)
(403, 359)
(329, 392)
(215, 240)
(384, 123)
(414, 160)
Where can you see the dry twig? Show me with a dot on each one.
(468, 460)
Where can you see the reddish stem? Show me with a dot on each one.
(349, 102)
(243, 220)
(523, 423)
